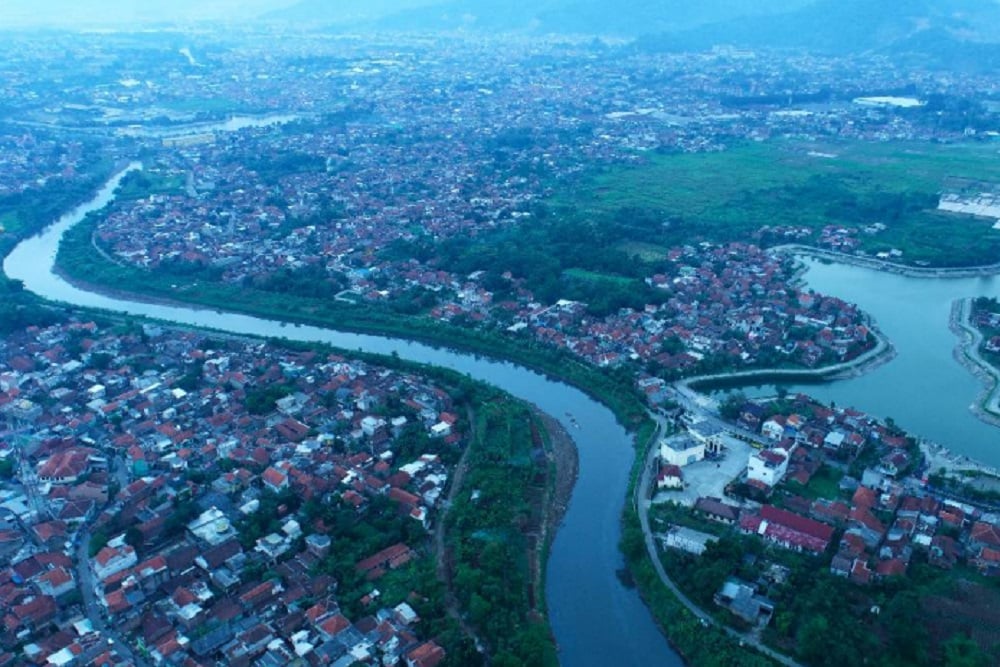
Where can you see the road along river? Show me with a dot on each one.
(595, 618)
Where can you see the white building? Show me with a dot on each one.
(680, 450)
(708, 434)
(114, 558)
(212, 526)
(767, 466)
(686, 539)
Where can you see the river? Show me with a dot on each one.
(923, 389)
(232, 124)
(596, 620)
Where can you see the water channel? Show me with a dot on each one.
(923, 389)
(595, 618)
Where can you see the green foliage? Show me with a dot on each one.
(960, 651)
(732, 404)
(267, 518)
(19, 309)
(492, 579)
(183, 513)
(261, 401)
(679, 199)
(98, 540)
(311, 280)
(142, 184)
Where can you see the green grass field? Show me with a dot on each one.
(139, 185)
(599, 278)
(729, 195)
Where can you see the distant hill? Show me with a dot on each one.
(345, 11)
(951, 33)
(624, 18)
(849, 26)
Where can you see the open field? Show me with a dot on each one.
(138, 185)
(730, 195)
(598, 278)
(646, 252)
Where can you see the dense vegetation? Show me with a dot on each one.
(25, 213)
(487, 535)
(602, 235)
(680, 199)
(19, 309)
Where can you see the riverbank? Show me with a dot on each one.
(566, 460)
(882, 353)
(887, 266)
(970, 339)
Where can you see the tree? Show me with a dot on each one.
(961, 651)
(732, 405)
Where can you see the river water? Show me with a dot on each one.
(923, 389)
(232, 124)
(596, 620)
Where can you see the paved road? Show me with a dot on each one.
(887, 266)
(642, 501)
(969, 353)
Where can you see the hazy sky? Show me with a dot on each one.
(87, 13)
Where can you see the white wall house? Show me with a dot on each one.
(680, 450)
(767, 466)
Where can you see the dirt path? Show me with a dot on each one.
(443, 556)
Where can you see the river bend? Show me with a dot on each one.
(595, 618)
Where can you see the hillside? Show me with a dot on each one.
(539, 16)
(850, 26)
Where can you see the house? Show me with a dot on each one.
(65, 467)
(681, 450)
(773, 428)
(709, 435)
(788, 529)
(428, 654)
(741, 599)
(114, 558)
(56, 582)
(686, 539)
(751, 416)
(767, 466)
(670, 477)
(715, 509)
(212, 527)
(275, 479)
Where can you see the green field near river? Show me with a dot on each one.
(729, 195)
